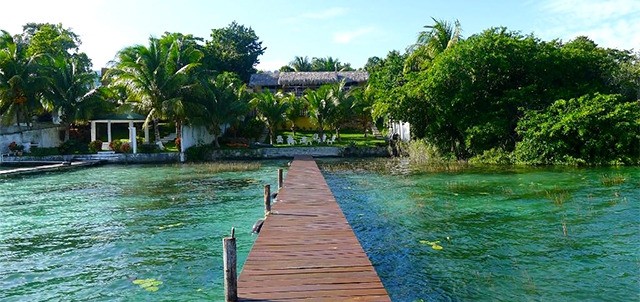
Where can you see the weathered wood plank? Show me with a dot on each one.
(306, 250)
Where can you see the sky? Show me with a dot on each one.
(351, 31)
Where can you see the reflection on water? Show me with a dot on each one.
(512, 234)
(88, 234)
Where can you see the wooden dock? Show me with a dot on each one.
(306, 249)
(45, 166)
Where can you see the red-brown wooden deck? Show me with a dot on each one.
(306, 249)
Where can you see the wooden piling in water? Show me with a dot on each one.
(280, 180)
(267, 199)
(230, 268)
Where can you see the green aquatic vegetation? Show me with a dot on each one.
(558, 195)
(471, 188)
(434, 244)
(609, 180)
(151, 285)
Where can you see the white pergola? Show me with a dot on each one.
(130, 119)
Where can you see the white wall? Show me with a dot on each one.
(403, 129)
(195, 136)
(44, 138)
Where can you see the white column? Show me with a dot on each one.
(109, 131)
(93, 131)
(132, 138)
(146, 135)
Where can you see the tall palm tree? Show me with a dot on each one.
(434, 40)
(271, 109)
(342, 101)
(225, 100)
(157, 78)
(22, 80)
(329, 64)
(296, 106)
(70, 92)
(320, 106)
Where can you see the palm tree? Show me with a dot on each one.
(225, 100)
(342, 102)
(70, 92)
(320, 106)
(271, 109)
(22, 80)
(296, 106)
(329, 64)
(300, 64)
(431, 42)
(157, 78)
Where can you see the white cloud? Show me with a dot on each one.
(271, 65)
(610, 23)
(348, 36)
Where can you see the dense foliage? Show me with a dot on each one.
(600, 129)
(316, 64)
(469, 96)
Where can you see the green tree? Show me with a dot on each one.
(430, 43)
(70, 91)
(225, 100)
(593, 129)
(157, 78)
(320, 106)
(235, 48)
(271, 109)
(342, 102)
(329, 64)
(294, 111)
(22, 80)
(384, 87)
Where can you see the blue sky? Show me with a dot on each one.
(352, 31)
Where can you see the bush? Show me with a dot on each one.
(95, 146)
(198, 153)
(147, 148)
(251, 129)
(125, 148)
(493, 156)
(73, 146)
(592, 129)
(37, 151)
(115, 145)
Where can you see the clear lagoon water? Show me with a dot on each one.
(498, 234)
(113, 233)
(89, 234)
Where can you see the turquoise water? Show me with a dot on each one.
(89, 234)
(504, 234)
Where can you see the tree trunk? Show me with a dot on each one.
(179, 134)
(156, 134)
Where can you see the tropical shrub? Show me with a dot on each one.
(115, 145)
(593, 129)
(125, 148)
(147, 148)
(198, 153)
(95, 146)
(73, 146)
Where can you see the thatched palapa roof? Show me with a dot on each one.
(307, 78)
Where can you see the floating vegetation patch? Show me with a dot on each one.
(233, 166)
(434, 244)
(612, 179)
(558, 195)
(151, 285)
(392, 166)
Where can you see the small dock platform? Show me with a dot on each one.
(306, 250)
(39, 167)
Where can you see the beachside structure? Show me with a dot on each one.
(298, 82)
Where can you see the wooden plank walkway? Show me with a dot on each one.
(306, 249)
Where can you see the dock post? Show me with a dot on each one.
(267, 199)
(230, 268)
(279, 179)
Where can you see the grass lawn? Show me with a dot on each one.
(347, 138)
